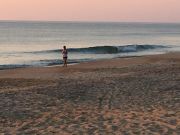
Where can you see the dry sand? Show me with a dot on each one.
(139, 95)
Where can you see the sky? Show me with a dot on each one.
(91, 10)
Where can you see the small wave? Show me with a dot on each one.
(96, 50)
(107, 49)
(116, 49)
(136, 48)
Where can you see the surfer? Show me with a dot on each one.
(65, 56)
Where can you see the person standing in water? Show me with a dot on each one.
(65, 56)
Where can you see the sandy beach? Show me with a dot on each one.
(135, 95)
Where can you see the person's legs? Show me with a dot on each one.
(65, 62)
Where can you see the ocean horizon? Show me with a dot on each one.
(39, 43)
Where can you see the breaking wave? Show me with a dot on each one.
(108, 49)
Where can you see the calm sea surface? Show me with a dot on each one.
(39, 43)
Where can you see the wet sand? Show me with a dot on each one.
(135, 95)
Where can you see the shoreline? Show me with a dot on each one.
(17, 66)
(96, 64)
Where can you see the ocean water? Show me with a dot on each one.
(40, 43)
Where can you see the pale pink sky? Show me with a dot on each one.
(91, 10)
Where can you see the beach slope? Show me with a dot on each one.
(135, 95)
